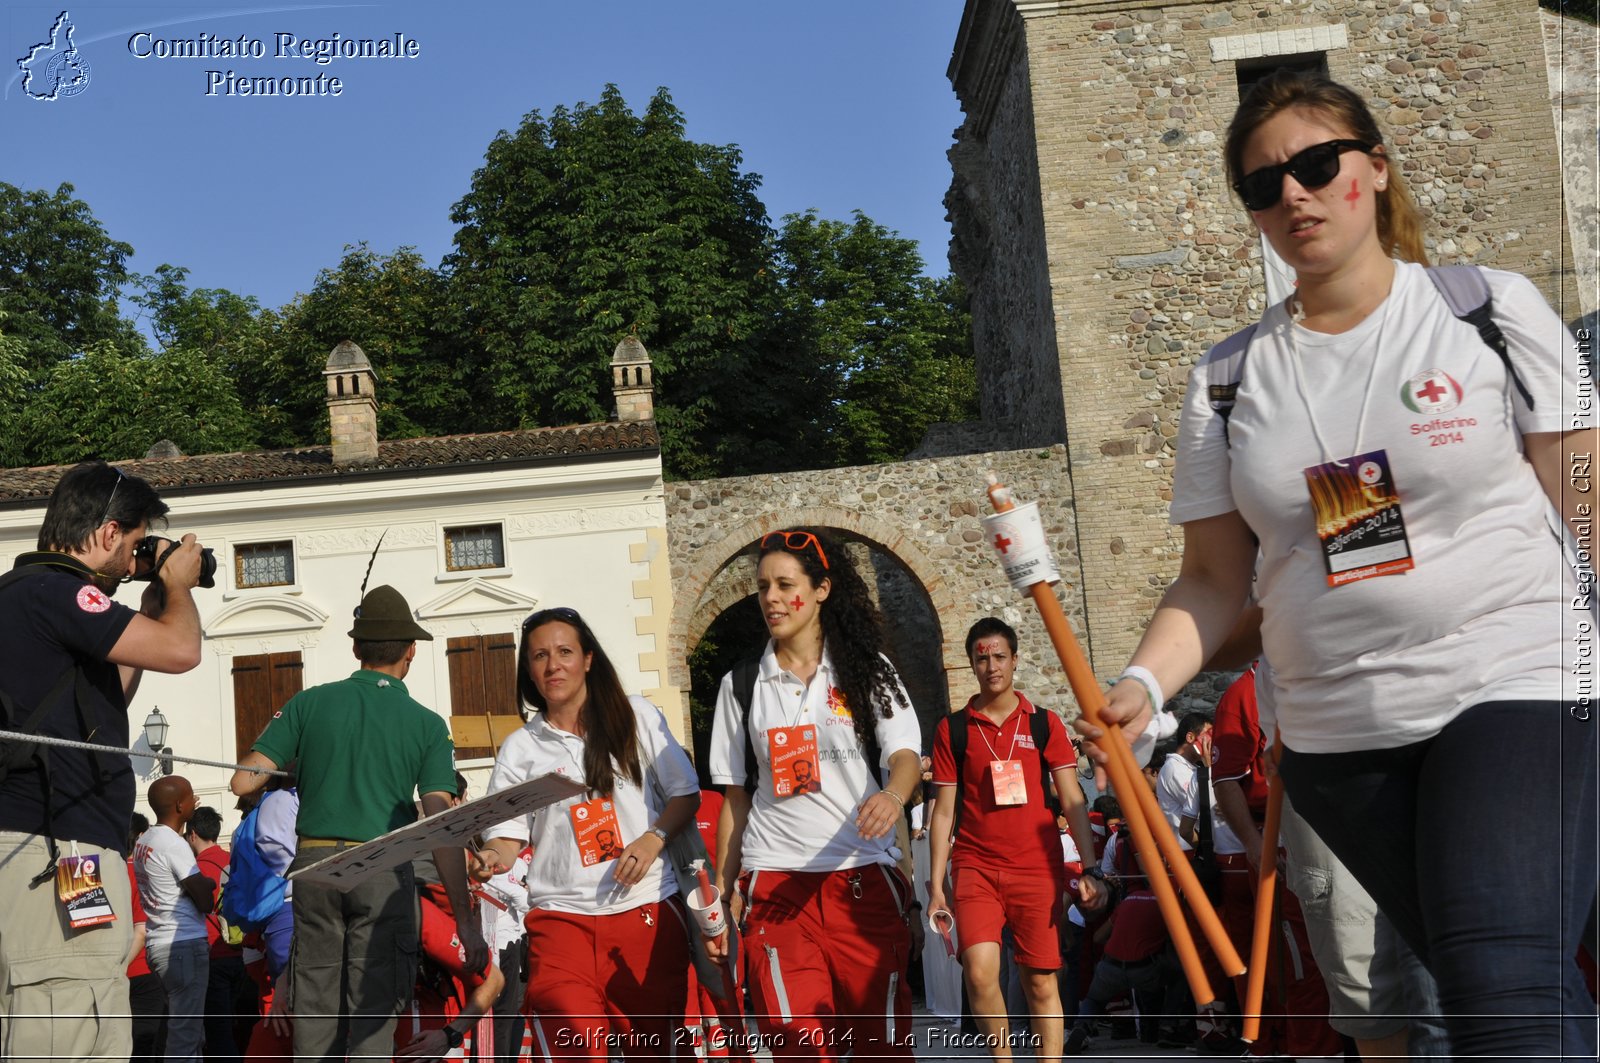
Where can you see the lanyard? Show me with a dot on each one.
(1297, 313)
(1014, 732)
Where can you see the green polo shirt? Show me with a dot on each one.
(364, 749)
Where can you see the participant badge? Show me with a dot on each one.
(1010, 788)
(81, 892)
(1359, 524)
(594, 825)
(793, 755)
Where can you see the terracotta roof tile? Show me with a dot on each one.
(166, 474)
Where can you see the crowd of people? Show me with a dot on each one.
(1380, 705)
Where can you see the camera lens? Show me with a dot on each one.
(208, 567)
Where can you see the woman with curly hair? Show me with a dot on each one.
(608, 936)
(823, 908)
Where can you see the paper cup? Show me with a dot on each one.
(1018, 537)
(707, 911)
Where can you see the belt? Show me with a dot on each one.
(1130, 965)
(317, 843)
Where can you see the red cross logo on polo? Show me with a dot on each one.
(1431, 391)
(1370, 472)
(93, 599)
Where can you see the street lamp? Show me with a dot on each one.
(155, 736)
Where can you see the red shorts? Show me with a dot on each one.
(602, 986)
(825, 956)
(988, 900)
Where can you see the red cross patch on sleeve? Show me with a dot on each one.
(92, 599)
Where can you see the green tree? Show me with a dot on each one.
(15, 384)
(391, 305)
(594, 223)
(111, 404)
(866, 352)
(60, 273)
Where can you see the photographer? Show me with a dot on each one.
(69, 665)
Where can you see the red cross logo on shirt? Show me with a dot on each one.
(1433, 392)
(1001, 543)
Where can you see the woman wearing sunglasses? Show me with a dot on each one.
(608, 944)
(1400, 502)
(824, 910)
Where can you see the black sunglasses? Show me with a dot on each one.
(112, 497)
(544, 616)
(1313, 168)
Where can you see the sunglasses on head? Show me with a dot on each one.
(796, 541)
(544, 616)
(1313, 168)
(112, 497)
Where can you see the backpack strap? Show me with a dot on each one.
(1039, 724)
(1228, 356)
(1467, 294)
(745, 674)
(960, 723)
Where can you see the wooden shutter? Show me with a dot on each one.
(483, 681)
(261, 684)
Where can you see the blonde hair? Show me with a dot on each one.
(1399, 220)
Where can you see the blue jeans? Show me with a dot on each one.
(183, 967)
(1479, 845)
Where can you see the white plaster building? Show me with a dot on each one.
(479, 531)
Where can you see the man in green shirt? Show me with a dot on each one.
(363, 749)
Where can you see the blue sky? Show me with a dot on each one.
(837, 104)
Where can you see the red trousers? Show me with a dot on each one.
(1294, 1007)
(825, 959)
(607, 985)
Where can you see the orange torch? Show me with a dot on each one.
(1266, 884)
(1152, 835)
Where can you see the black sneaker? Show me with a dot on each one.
(1077, 1040)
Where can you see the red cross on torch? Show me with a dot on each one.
(1001, 543)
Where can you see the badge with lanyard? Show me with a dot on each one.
(595, 827)
(81, 891)
(1005, 773)
(792, 752)
(1359, 524)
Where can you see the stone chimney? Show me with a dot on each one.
(352, 405)
(631, 381)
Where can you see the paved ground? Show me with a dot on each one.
(939, 1040)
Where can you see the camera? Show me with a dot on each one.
(153, 550)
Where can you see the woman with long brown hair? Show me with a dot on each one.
(1403, 484)
(825, 911)
(608, 935)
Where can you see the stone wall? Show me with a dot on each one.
(933, 570)
(1151, 260)
(1572, 65)
(998, 245)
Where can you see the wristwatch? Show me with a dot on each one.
(659, 833)
(453, 1037)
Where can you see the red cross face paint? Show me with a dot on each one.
(797, 604)
(790, 602)
(1354, 195)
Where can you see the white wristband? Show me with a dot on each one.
(1147, 679)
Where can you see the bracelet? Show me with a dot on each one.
(1147, 679)
(898, 799)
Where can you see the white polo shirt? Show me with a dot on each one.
(816, 831)
(1178, 791)
(557, 878)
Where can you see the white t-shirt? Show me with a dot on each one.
(815, 831)
(1386, 661)
(161, 860)
(557, 878)
(1178, 791)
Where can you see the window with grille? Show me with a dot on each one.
(478, 546)
(263, 565)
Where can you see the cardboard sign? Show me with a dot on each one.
(455, 826)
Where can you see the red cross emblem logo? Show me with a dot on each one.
(92, 599)
(1431, 391)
